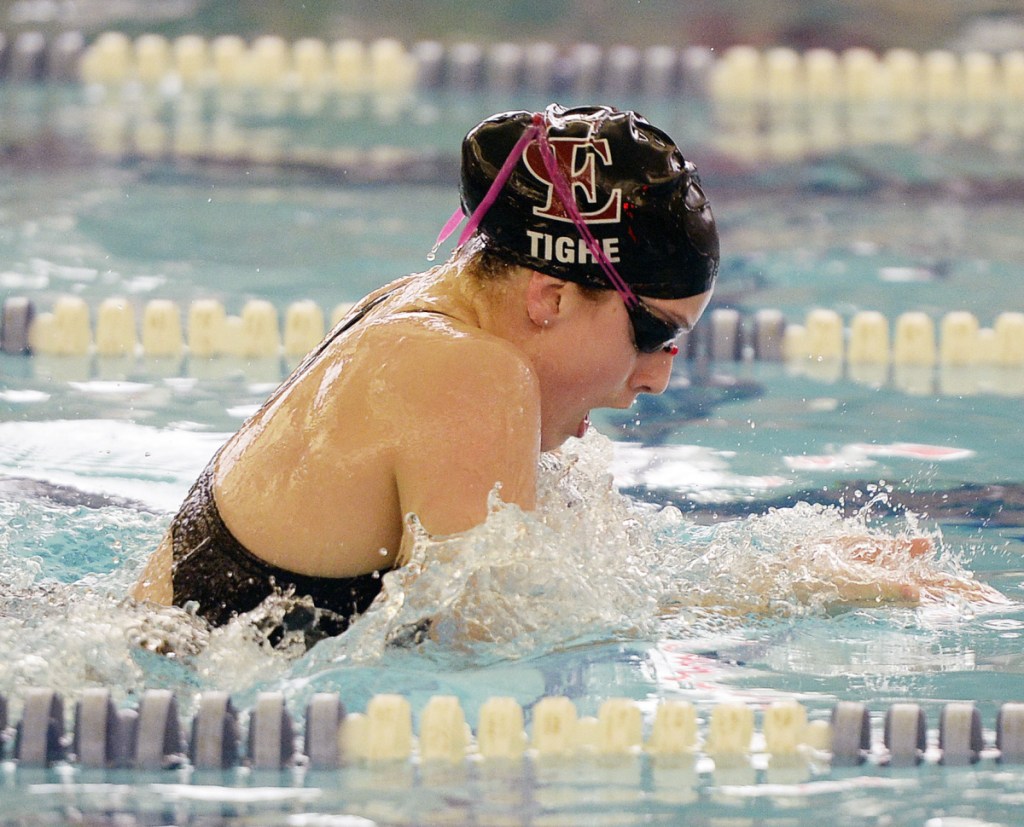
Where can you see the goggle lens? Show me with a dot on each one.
(651, 333)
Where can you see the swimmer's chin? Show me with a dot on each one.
(582, 428)
(552, 442)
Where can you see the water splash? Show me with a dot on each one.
(589, 566)
(66, 623)
(592, 564)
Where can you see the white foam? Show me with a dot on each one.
(589, 563)
(24, 397)
(588, 566)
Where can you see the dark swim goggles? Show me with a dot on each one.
(650, 333)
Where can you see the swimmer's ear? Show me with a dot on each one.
(543, 298)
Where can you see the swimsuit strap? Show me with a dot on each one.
(354, 316)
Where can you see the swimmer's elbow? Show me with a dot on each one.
(154, 584)
(153, 590)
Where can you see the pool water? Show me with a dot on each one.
(94, 456)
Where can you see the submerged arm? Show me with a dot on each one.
(900, 570)
(749, 568)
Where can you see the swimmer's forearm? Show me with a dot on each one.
(155, 583)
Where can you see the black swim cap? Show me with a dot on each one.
(638, 196)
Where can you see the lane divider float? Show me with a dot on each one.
(155, 735)
(956, 356)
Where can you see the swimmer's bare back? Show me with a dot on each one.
(409, 412)
(412, 413)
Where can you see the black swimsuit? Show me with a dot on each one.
(213, 569)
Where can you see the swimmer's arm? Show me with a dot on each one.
(846, 572)
(899, 578)
(470, 418)
(872, 570)
(154, 583)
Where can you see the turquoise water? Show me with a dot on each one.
(724, 443)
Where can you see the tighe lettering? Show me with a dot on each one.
(567, 249)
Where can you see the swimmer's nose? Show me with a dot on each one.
(653, 372)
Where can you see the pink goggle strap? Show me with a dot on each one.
(567, 198)
(492, 194)
(538, 130)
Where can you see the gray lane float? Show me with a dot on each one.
(851, 733)
(271, 744)
(151, 736)
(101, 737)
(905, 735)
(960, 735)
(1010, 733)
(159, 740)
(324, 716)
(15, 323)
(40, 732)
(214, 742)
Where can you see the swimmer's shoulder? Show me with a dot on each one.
(423, 336)
(435, 347)
(443, 373)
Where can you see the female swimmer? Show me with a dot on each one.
(590, 248)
